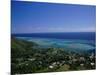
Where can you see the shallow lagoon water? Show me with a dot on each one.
(69, 44)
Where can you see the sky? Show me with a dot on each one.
(39, 17)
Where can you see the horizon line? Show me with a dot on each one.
(54, 32)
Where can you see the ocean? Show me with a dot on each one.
(59, 35)
(68, 41)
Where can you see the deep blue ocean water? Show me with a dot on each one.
(70, 41)
(68, 35)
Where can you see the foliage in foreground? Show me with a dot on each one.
(28, 57)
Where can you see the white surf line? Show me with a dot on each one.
(81, 2)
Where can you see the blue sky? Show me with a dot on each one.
(36, 17)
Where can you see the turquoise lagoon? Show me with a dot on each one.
(67, 44)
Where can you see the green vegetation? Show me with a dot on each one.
(63, 68)
(28, 57)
